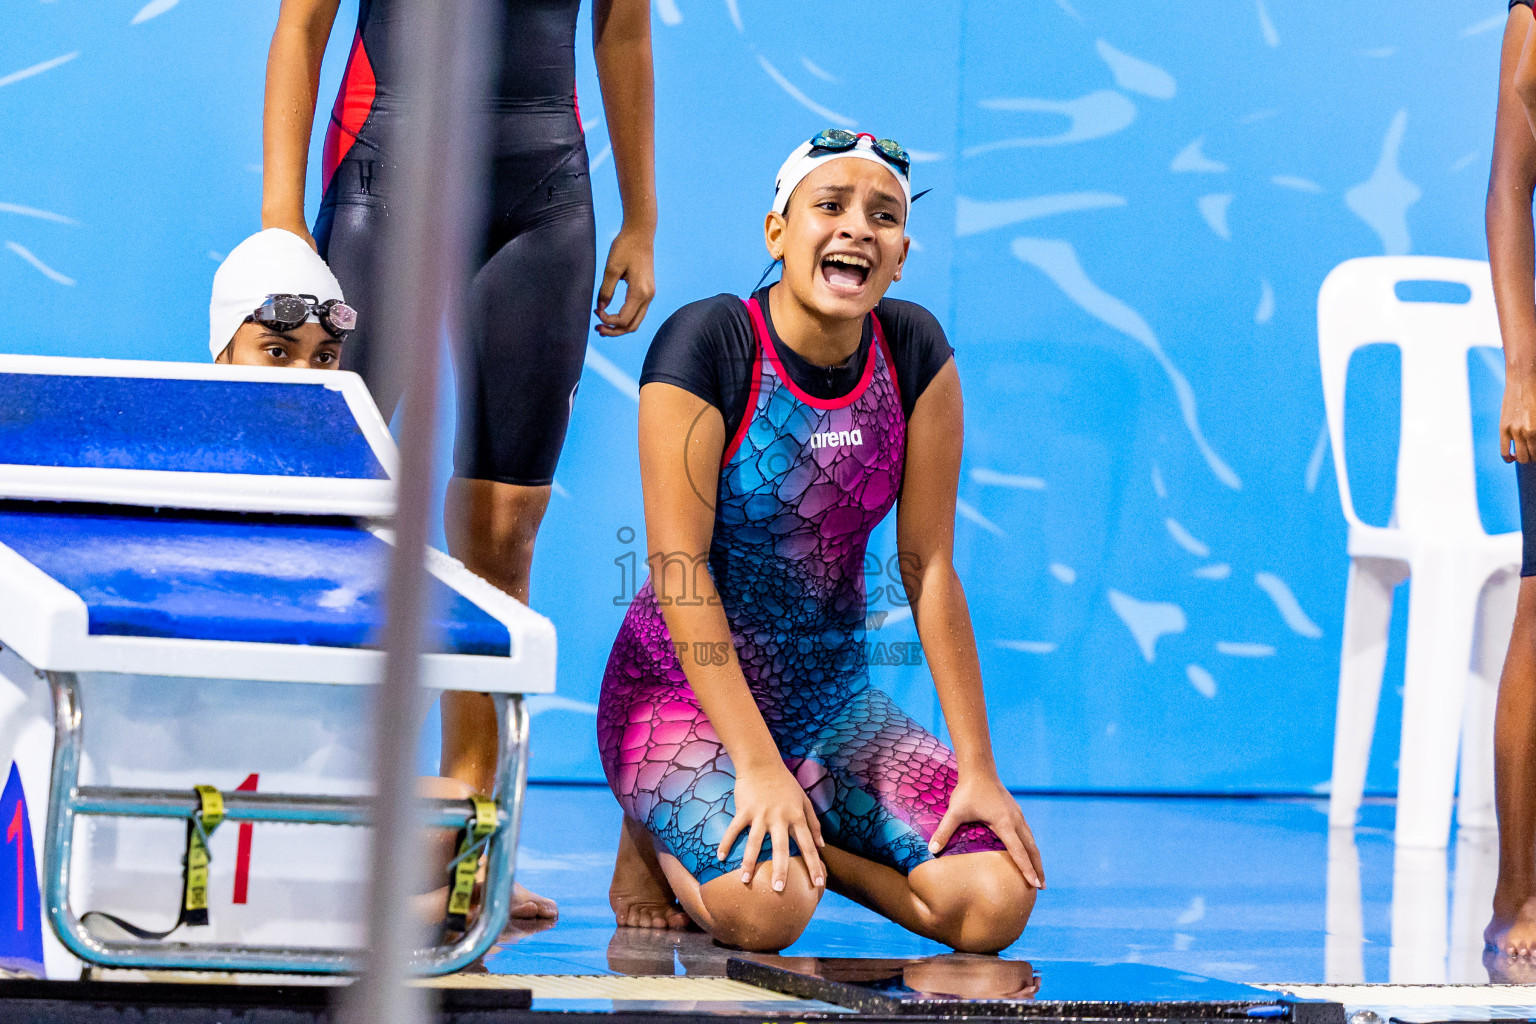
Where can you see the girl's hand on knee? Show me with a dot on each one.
(985, 801)
(771, 803)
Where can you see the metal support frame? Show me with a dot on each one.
(67, 799)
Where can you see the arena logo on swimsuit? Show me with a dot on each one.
(837, 438)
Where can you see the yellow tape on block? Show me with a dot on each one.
(485, 815)
(206, 818)
(467, 864)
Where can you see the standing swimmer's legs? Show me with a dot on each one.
(501, 551)
(349, 233)
(1513, 928)
(528, 311)
(494, 526)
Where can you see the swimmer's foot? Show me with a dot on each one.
(1513, 928)
(531, 913)
(1508, 970)
(639, 893)
(527, 905)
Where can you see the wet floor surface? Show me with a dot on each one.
(1240, 890)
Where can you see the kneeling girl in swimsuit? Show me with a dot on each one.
(775, 434)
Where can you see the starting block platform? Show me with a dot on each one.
(192, 572)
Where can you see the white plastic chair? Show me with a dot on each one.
(1462, 576)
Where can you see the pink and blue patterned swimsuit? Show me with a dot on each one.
(804, 482)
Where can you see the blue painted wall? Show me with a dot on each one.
(1133, 207)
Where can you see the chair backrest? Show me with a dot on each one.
(1358, 305)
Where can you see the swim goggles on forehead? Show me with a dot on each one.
(284, 312)
(837, 140)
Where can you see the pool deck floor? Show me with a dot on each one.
(1243, 890)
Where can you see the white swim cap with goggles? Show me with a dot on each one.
(838, 144)
(275, 278)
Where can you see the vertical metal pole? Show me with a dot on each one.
(423, 272)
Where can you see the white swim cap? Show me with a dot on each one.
(809, 155)
(270, 262)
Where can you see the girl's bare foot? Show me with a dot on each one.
(639, 893)
(444, 845)
(431, 907)
(527, 904)
(1513, 928)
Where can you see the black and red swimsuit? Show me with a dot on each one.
(531, 297)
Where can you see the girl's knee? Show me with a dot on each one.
(754, 917)
(980, 902)
(757, 929)
(984, 926)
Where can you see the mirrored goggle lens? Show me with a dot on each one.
(341, 317)
(893, 152)
(283, 316)
(287, 309)
(835, 138)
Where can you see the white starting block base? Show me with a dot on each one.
(306, 888)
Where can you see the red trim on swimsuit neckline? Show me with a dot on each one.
(746, 417)
(765, 341)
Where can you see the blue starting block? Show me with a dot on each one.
(192, 567)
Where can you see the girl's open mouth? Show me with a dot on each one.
(845, 272)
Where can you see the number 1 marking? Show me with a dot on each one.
(15, 832)
(243, 845)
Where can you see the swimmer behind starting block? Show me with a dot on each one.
(276, 303)
(775, 435)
